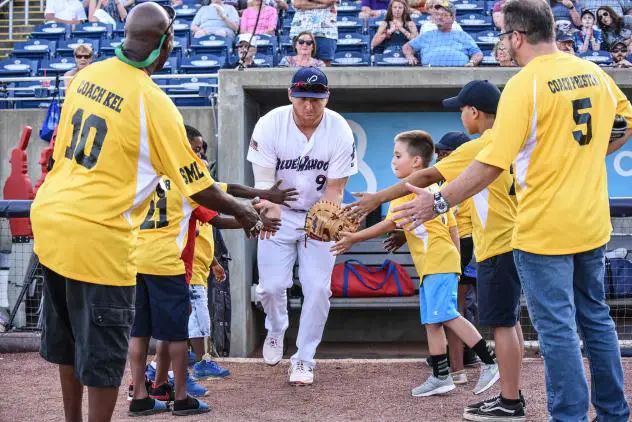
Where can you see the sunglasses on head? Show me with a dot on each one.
(309, 87)
(305, 42)
(83, 56)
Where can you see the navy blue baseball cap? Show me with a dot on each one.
(480, 94)
(309, 82)
(451, 141)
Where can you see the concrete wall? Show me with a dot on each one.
(246, 95)
(13, 121)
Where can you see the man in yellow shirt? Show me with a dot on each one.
(436, 258)
(118, 134)
(554, 122)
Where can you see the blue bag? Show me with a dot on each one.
(51, 120)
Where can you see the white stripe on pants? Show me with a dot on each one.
(276, 258)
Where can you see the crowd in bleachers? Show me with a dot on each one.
(218, 34)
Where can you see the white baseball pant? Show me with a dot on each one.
(276, 257)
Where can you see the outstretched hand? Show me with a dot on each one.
(367, 203)
(281, 196)
(270, 216)
(413, 213)
(343, 245)
(394, 241)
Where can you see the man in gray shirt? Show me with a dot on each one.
(217, 19)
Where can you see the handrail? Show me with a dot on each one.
(26, 12)
(2, 4)
(165, 76)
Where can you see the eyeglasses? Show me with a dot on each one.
(83, 56)
(309, 87)
(305, 42)
(509, 32)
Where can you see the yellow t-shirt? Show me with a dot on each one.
(554, 122)
(430, 244)
(463, 216)
(494, 209)
(118, 134)
(203, 257)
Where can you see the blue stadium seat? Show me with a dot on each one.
(57, 66)
(202, 63)
(181, 28)
(163, 84)
(51, 31)
(266, 44)
(29, 89)
(349, 24)
(264, 60)
(287, 25)
(474, 21)
(391, 58)
(200, 86)
(108, 46)
(96, 30)
(210, 44)
(12, 68)
(170, 67)
(118, 30)
(351, 58)
(285, 45)
(374, 23)
(186, 12)
(486, 40)
(353, 41)
(348, 8)
(597, 57)
(469, 6)
(37, 49)
(66, 48)
(421, 19)
(488, 59)
(161, 2)
(181, 45)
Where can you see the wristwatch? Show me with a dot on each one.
(440, 205)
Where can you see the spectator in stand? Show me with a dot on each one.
(444, 47)
(588, 37)
(106, 11)
(502, 56)
(267, 19)
(620, 7)
(619, 55)
(246, 52)
(417, 7)
(64, 11)
(614, 26)
(434, 7)
(565, 42)
(218, 19)
(304, 46)
(397, 28)
(319, 18)
(373, 8)
(83, 57)
(565, 14)
(497, 13)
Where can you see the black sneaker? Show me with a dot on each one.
(162, 392)
(146, 407)
(496, 411)
(189, 406)
(490, 400)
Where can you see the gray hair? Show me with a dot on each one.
(532, 17)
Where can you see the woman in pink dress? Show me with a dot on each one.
(267, 19)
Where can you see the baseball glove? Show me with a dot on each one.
(618, 128)
(325, 220)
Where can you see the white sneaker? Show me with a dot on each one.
(301, 374)
(459, 377)
(273, 349)
(489, 376)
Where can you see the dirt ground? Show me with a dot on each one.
(344, 390)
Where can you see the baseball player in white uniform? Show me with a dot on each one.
(312, 150)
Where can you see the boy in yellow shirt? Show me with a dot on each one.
(437, 262)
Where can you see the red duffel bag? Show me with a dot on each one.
(354, 279)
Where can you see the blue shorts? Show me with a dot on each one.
(162, 307)
(325, 48)
(498, 290)
(438, 298)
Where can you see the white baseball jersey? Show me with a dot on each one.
(304, 164)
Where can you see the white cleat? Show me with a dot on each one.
(301, 374)
(273, 349)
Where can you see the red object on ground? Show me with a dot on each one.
(45, 157)
(354, 279)
(19, 185)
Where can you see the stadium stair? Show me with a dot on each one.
(20, 31)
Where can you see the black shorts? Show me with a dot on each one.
(498, 290)
(87, 325)
(162, 307)
(467, 252)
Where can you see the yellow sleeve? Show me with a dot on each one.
(512, 123)
(623, 107)
(454, 164)
(223, 186)
(451, 219)
(170, 151)
(397, 202)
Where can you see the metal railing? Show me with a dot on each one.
(26, 13)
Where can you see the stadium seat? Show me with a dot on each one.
(57, 66)
(51, 31)
(287, 25)
(118, 30)
(181, 28)
(353, 41)
(170, 67)
(266, 44)
(37, 49)
(202, 63)
(210, 44)
(469, 6)
(350, 58)
(285, 46)
(289, 13)
(96, 30)
(12, 68)
(374, 23)
(488, 59)
(391, 58)
(161, 2)
(474, 21)
(421, 19)
(108, 46)
(66, 48)
(181, 46)
(186, 12)
(486, 40)
(598, 57)
(349, 24)
(264, 60)
(348, 8)
(28, 89)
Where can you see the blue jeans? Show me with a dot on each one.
(565, 294)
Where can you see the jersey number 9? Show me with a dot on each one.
(321, 179)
